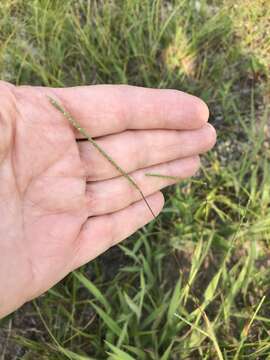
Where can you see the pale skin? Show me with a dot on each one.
(61, 203)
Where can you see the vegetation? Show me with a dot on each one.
(193, 284)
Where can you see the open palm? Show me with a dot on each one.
(61, 202)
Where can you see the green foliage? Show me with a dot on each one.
(193, 284)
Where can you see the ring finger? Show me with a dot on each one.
(114, 194)
(133, 150)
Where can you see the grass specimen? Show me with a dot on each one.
(77, 126)
(86, 135)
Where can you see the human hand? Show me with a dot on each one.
(61, 203)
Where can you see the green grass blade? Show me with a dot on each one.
(92, 289)
(112, 325)
(119, 354)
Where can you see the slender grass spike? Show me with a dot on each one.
(78, 126)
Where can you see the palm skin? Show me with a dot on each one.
(61, 204)
(44, 186)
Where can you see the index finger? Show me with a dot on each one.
(108, 109)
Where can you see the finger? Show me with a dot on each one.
(134, 150)
(102, 232)
(107, 109)
(107, 196)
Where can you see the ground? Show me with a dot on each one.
(194, 284)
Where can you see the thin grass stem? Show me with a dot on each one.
(78, 126)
